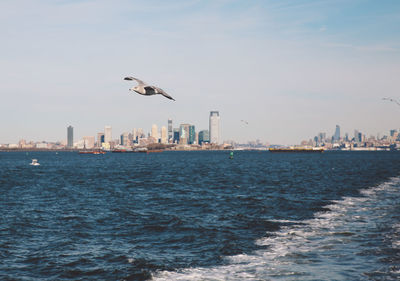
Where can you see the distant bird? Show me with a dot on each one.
(392, 100)
(147, 90)
(244, 121)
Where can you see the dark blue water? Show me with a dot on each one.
(200, 216)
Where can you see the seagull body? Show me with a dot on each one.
(147, 90)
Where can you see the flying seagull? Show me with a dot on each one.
(392, 100)
(147, 90)
(244, 121)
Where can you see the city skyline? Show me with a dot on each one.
(289, 68)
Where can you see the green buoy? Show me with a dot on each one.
(231, 155)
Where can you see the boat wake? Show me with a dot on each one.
(358, 238)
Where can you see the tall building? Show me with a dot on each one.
(140, 133)
(164, 134)
(204, 137)
(336, 136)
(134, 135)
(176, 135)
(154, 131)
(70, 137)
(170, 136)
(214, 128)
(192, 134)
(100, 139)
(107, 134)
(124, 138)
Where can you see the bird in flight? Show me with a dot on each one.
(244, 121)
(392, 100)
(147, 90)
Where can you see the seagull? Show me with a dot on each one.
(244, 121)
(392, 100)
(147, 90)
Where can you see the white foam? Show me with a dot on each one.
(319, 248)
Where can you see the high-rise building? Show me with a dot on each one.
(134, 135)
(70, 137)
(204, 137)
(154, 131)
(140, 133)
(214, 127)
(336, 136)
(124, 138)
(170, 136)
(192, 134)
(163, 134)
(107, 134)
(100, 139)
(176, 136)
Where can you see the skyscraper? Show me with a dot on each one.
(134, 135)
(154, 131)
(170, 136)
(124, 139)
(70, 136)
(176, 135)
(204, 136)
(192, 134)
(107, 134)
(214, 127)
(336, 136)
(100, 139)
(163, 134)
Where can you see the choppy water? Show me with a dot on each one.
(200, 216)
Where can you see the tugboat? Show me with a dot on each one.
(34, 163)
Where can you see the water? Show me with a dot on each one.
(200, 216)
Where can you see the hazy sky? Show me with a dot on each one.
(290, 68)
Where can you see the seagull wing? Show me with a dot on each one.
(161, 91)
(141, 83)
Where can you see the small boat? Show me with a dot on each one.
(34, 162)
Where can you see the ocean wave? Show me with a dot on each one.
(352, 241)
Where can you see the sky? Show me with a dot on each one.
(291, 69)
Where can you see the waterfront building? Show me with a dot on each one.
(170, 133)
(107, 134)
(88, 142)
(214, 127)
(140, 134)
(176, 135)
(204, 137)
(192, 135)
(321, 137)
(134, 135)
(70, 137)
(154, 131)
(163, 134)
(100, 139)
(336, 136)
(124, 139)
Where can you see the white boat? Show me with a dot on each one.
(34, 162)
